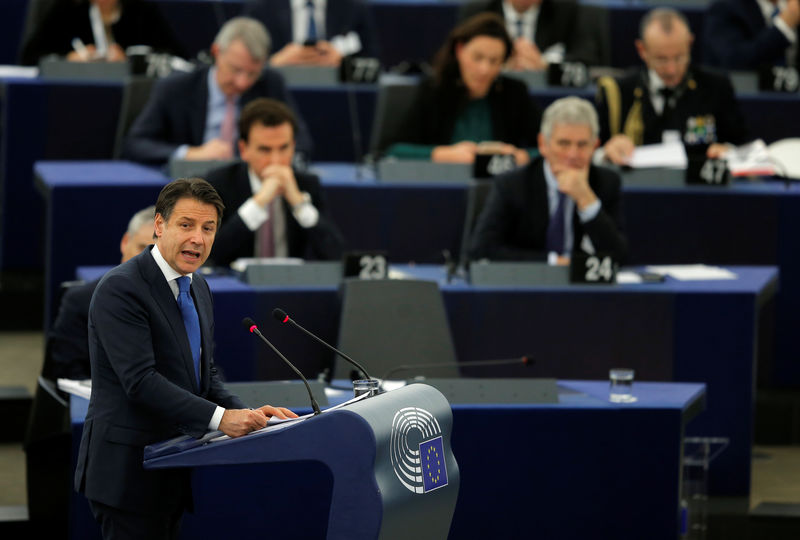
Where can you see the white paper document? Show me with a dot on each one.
(275, 424)
(18, 72)
(82, 388)
(752, 159)
(692, 272)
(628, 277)
(669, 155)
(241, 264)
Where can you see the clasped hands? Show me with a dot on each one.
(322, 53)
(278, 180)
(526, 56)
(238, 422)
(114, 54)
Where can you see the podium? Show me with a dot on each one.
(394, 473)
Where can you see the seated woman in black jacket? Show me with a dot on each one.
(468, 103)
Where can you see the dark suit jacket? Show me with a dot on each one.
(141, 23)
(341, 17)
(175, 114)
(432, 119)
(513, 223)
(234, 239)
(143, 387)
(704, 93)
(737, 37)
(559, 21)
(67, 353)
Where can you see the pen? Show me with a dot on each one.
(80, 48)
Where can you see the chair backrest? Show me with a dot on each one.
(395, 322)
(396, 96)
(134, 97)
(477, 194)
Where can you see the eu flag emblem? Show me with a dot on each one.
(434, 470)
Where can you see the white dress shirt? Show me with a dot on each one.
(253, 215)
(587, 214)
(171, 275)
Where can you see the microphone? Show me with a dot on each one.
(250, 324)
(524, 360)
(282, 317)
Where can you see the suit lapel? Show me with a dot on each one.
(283, 14)
(202, 303)
(544, 23)
(333, 21)
(162, 294)
(540, 215)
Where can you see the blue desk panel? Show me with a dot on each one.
(678, 331)
(744, 224)
(45, 120)
(550, 471)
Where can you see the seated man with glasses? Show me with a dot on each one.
(193, 116)
(667, 99)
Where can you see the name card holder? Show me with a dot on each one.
(600, 268)
(365, 265)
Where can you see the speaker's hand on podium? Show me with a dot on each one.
(278, 412)
(238, 422)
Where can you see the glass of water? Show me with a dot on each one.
(366, 386)
(621, 385)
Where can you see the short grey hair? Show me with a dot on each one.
(572, 111)
(142, 218)
(250, 32)
(665, 17)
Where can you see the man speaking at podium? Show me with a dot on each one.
(151, 333)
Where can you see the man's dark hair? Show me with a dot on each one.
(445, 64)
(267, 112)
(193, 188)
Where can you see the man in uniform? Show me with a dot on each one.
(667, 99)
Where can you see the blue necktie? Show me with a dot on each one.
(191, 321)
(312, 24)
(556, 227)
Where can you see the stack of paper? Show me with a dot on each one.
(670, 155)
(82, 388)
(752, 159)
(692, 272)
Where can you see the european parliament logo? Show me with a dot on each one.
(417, 450)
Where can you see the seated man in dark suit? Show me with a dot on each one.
(151, 343)
(271, 210)
(340, 28)
(668, 99)
(750, 34)
(68, 342)
(559, 203)
(543, 31)
(193, 115)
